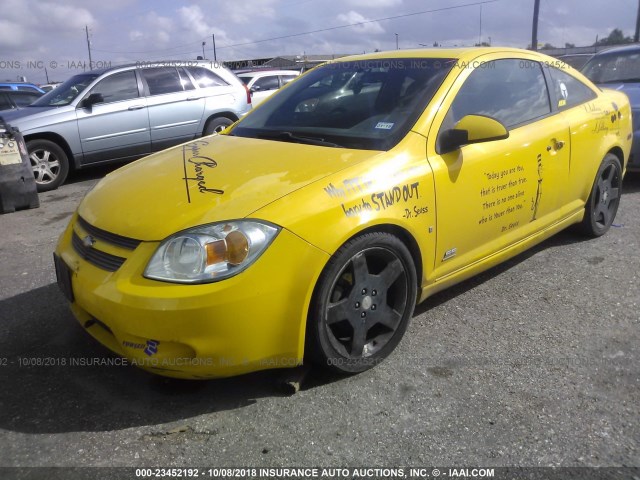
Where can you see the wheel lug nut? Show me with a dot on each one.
(363, 314)
(373, 307)
(364, 291)
(374, 293)
(357, 304)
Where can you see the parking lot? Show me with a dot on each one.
(533, 363)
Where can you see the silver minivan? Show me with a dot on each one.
(124, 113)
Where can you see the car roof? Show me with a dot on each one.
(617, 50)
(21, 84)
(459, 53)
(161, 63)
(258, 73)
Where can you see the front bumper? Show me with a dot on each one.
(253, 321)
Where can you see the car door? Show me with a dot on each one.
(175, 106)
(117, 127)
(494, 194)
(263, 87)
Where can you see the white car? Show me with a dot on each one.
(264, 83)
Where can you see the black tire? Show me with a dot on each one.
(362, 304)
(49, 162)
(217, 125)
(604, 198)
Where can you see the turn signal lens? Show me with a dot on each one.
(237, 247)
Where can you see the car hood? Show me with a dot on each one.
(204, 181)
(631, 89)
(28, 113)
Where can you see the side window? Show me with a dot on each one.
(512, 91)
(5, 103)
(162, 80)
(27, 99)
(266, 83)
(117, 87)
(187, 84)
(569, 90)
(205, 78)
(286, 78)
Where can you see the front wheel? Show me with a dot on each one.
(49, 163)
(217, 125)
(362, 303)
(604, 199)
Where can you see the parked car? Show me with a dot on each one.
(20, 86)
(49, 86)
(619, 69)
(576, 60)
(15, 99)
(263, 83)
(125, 113)
(304, 234)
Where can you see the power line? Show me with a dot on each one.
(394, 17)
(300, 34)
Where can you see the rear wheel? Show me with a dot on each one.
(362, 303)
(49, 163)
(217, 125)
(604, 199)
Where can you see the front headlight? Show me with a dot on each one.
(210, 252)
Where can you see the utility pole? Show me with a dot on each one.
(534, 28)
(397, 47)
(636, 37)
(203, 44)
(86, 29)
(215, 57)
(46, 74)
(480, 32)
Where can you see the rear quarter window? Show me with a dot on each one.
(569, 90)
(206, 78)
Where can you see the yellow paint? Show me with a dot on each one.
(465, 210)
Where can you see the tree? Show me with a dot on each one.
(483, 44)
(616, 37)
(569, 45)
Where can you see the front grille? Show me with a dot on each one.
(100, 259)
(113, 238)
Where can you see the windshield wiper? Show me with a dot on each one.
(290, 137)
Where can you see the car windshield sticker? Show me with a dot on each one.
(385, 125)
(565, 95)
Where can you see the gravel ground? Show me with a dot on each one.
(533, 363)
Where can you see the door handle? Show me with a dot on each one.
(193, 98)
(135, 107)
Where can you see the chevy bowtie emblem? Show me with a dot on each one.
(88, 241)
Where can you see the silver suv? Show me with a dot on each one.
(124, 113)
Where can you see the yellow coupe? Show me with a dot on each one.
(310, 229)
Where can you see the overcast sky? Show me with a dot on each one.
(36, 33)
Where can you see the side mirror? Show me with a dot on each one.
(471, 129)
(255, 88)
(92, 99)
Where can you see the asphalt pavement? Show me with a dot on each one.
(533, 363)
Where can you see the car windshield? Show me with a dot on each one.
(613, 68)
(367, 104)
(66, 92)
